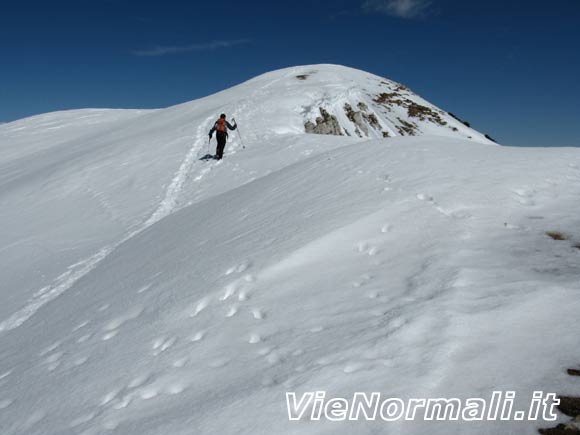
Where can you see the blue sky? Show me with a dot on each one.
(511, 68)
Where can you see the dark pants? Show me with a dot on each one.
(221, 143)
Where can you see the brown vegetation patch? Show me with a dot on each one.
(424, 113)
(406, 128)
(390, 98)
(349, 112)
(561, 429)
(557, 235)
(372, 120)
(571, 407)
(414, 110)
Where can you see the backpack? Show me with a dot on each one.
(221, 125)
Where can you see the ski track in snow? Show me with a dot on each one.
(75, 272)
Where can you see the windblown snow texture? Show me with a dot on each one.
(146, 292)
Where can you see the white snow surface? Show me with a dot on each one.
(143, 291)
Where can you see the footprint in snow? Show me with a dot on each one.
(198, 336)
(258, 314)
(160, 345)
(123, 403)
(200, 306)
(53, 361)
(148, 393)
(386, 178)
(80, 326)
(84, 338)
(144, 289)
(362, 247)
(174, 388)
(116, 323)
(180, 362)
(264, 351)
(354, 367)
(229, 291)
(425, 197)
(51, 348)
(254, 339)
(232, 311)
(139, 380)
(365, 248)
(240, 268)
(109, 397)
(109, 335)
(364, 279)
(373, 251)
(387, 228)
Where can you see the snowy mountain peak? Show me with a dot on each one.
(337, 100)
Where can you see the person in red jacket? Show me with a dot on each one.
(221, 127)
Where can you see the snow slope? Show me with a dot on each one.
(146, 292)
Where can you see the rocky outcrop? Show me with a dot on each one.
(356, 117)
(362, 119)
(325, 124)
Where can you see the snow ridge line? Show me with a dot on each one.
(66, 280)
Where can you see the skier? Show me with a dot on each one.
(221, 127)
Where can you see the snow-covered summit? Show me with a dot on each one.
(143, 291)
(334, 99)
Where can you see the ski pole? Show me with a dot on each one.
(239, 134)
